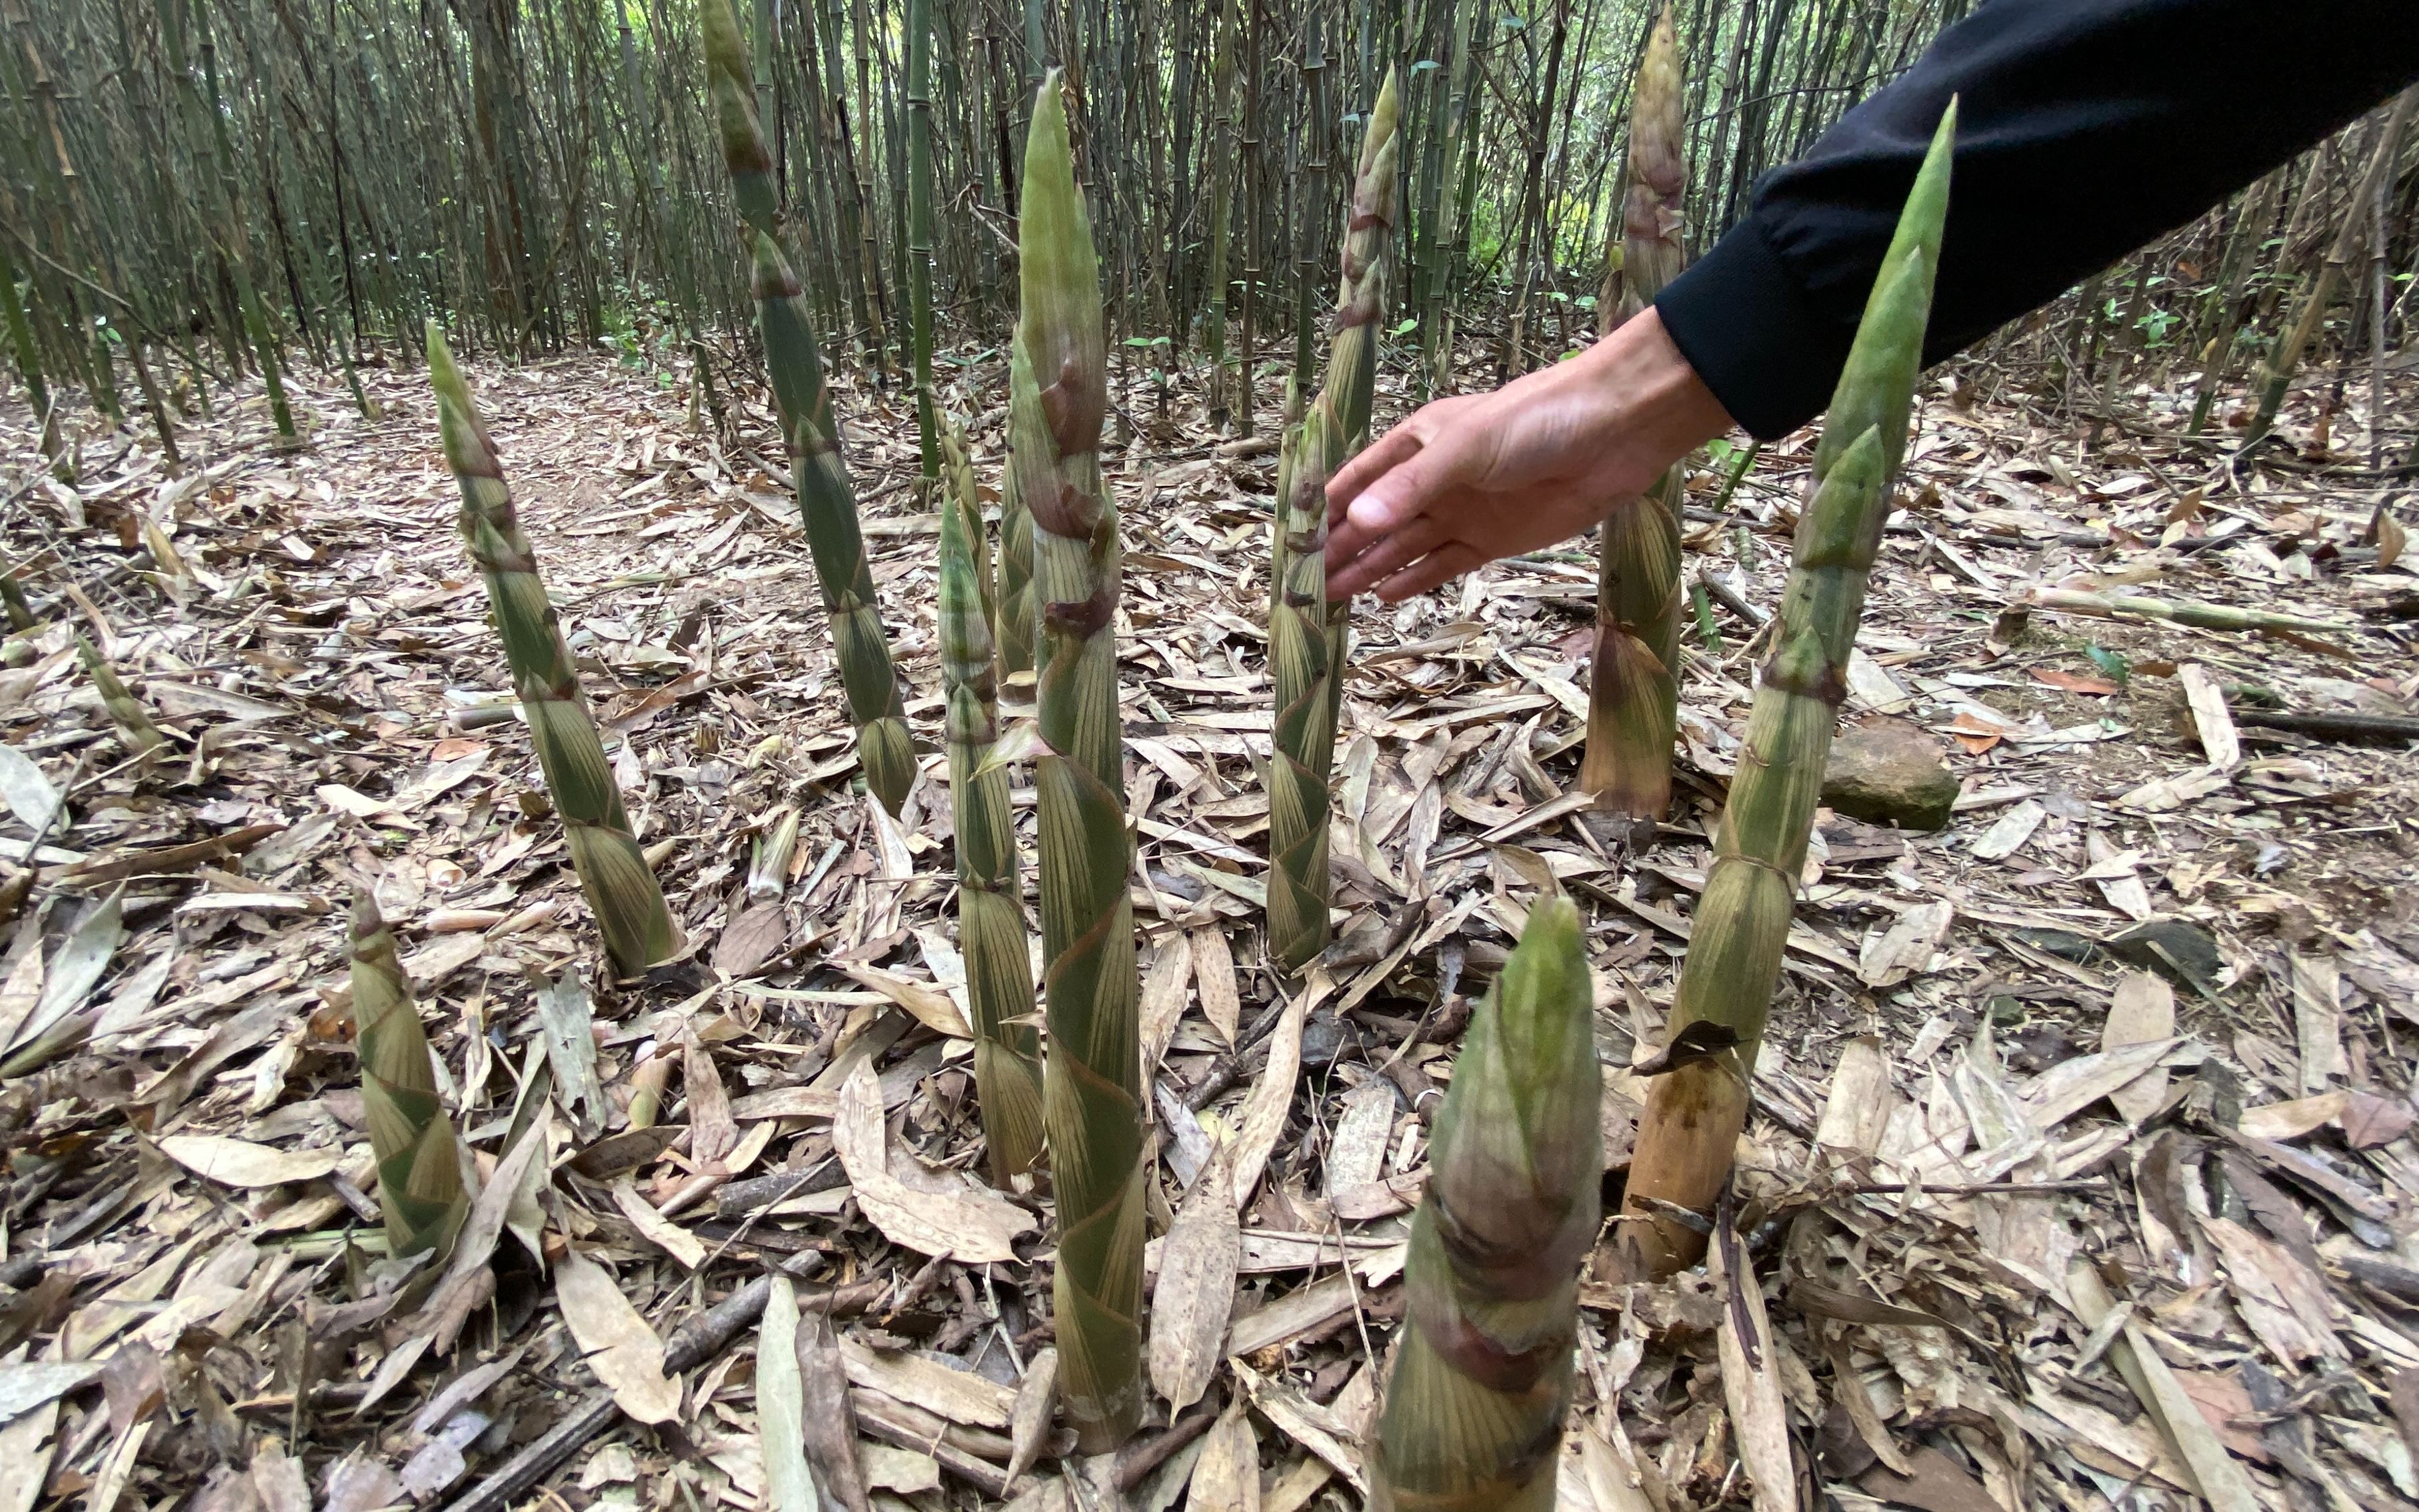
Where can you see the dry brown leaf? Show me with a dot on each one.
(932, 1008)
(1195, 1292)
(1226, 1477)
(2291, 1120)
(1028, 1418)
(1858, 1108)
(1264, 1111)
(712, 1132)
(240, 1162)
(2071, 1086)
(2372, 1122)
(781, 1404)
(1303, 1421)
(1752, 1378)
(968, 1225)
(1166, 984)
(2218, 740)
(2318, 1020)
(1906, 947)
(2218, 1479)
(1213, 969)
(2142, 1010)
(659, 1230)
(960, 1396)
(1364, 1134)
(830, 1421)
(1938, 1484)
(621, 1348)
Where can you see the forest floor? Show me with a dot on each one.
(2136, 1025)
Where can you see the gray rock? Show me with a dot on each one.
(1888, 771)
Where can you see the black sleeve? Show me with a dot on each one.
(2085, 129)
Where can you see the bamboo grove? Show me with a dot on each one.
(1086, 197)
(196, 194)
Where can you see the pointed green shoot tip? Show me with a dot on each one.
(467, 448)
(1053, 224)
(1878, 384)
(725, 51)
(442, 374)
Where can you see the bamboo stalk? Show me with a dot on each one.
(419, 1170)
(844, 571)
(1695, 1113)
(919, 228)
(1474, 1412)
(2181, 611)
(2275, 374)
(991, 918)
(621, 890)
(1308, 635)
(1634, 690)
(1092, 1092)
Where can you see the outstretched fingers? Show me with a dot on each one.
(1433, 570)
(1385, 556)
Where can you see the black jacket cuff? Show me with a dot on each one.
(1744, 323)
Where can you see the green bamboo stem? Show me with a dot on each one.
(844, 571)
(1473, 1413)
(621, 890)
(1694, 1115)
(29, 367)
(1092, 1091)
(1307, 633)
(2275, 374)
(1225, 21)
(919, 227)
(1634, 689)
(418, 1172)
(991, 918)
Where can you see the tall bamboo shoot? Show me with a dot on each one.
(1473, 1413)
(1092, 1092)
(1307, 633)
(621, 891)
(1694, 1114)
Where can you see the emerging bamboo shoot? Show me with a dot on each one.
(1473, 1413)
(1307, 633)
(1634, 693)
(1092, 1091)
(1694, 1114)
(991, 918)
(621, 890)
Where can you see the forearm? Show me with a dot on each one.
(2087, 126)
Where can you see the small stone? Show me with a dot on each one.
(1888, 771)
(1322, 1041)
(2176, 949)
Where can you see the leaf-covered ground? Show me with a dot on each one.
(2081, 1172)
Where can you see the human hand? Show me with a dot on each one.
(1467, 480)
